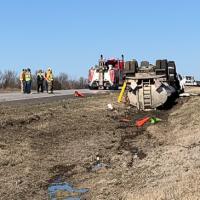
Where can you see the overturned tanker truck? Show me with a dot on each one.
(151, 86)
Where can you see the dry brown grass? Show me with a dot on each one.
(41, 141)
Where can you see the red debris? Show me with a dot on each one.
(141, 122)
(78, 94)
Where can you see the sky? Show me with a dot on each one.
(70, 35)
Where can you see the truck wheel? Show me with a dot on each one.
(171, 64)
(116, 87)
(130, 68)
(171, 71)
(164, 64)
(158, 64)
(133, 66)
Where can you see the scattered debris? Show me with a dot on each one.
(193, 94)
(78, 94)
(125, 120)
(184, 95)
(110, 107)
(98, 166)
(65, 191)
(142, 121)
(154, 120)
(188, 94)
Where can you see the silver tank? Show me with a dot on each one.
(148, 90)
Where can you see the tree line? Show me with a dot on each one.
(9, 79)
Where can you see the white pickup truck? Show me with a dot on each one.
(189, 81)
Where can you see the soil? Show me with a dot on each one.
(64, 139)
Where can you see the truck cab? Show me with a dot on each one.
(108, 74)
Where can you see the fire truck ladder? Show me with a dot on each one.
(147, 101)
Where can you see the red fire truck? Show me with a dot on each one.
(108, 74)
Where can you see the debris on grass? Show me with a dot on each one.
(154, 120)
(78, 94)
(141, 122)
(124, 120)
(110, 107)
(184, 95)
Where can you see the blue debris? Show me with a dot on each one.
(99, 166)
(71, 192)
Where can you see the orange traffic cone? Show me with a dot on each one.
(78, 94)
(141, 122)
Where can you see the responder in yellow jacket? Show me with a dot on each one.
(22, 80)
(28, 81)
(49, 78)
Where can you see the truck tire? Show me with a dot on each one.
(130, 68)
(144, 64)
(133, 65)
(158, 64)
(114, 87)
(171, 71)
(172, 64)
(164, 64)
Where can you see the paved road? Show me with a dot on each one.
(17, 96)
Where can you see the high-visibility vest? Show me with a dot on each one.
(49, 76)
(28, 76)
(41, 76)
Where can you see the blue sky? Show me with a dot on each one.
(69, 35)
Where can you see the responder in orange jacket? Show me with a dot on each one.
(49, 78)
(22, 80)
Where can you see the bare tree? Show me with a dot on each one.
(64, 80)
(9, 79)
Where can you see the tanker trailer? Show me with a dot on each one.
(151, 86)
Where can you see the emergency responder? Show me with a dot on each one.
(45, 82)
(22, 80)
(28, 81)
(40, 81)
(49, 78)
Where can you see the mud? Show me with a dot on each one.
(64, 139)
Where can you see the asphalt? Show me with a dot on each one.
(17, 96)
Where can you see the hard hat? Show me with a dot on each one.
(49, 69)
